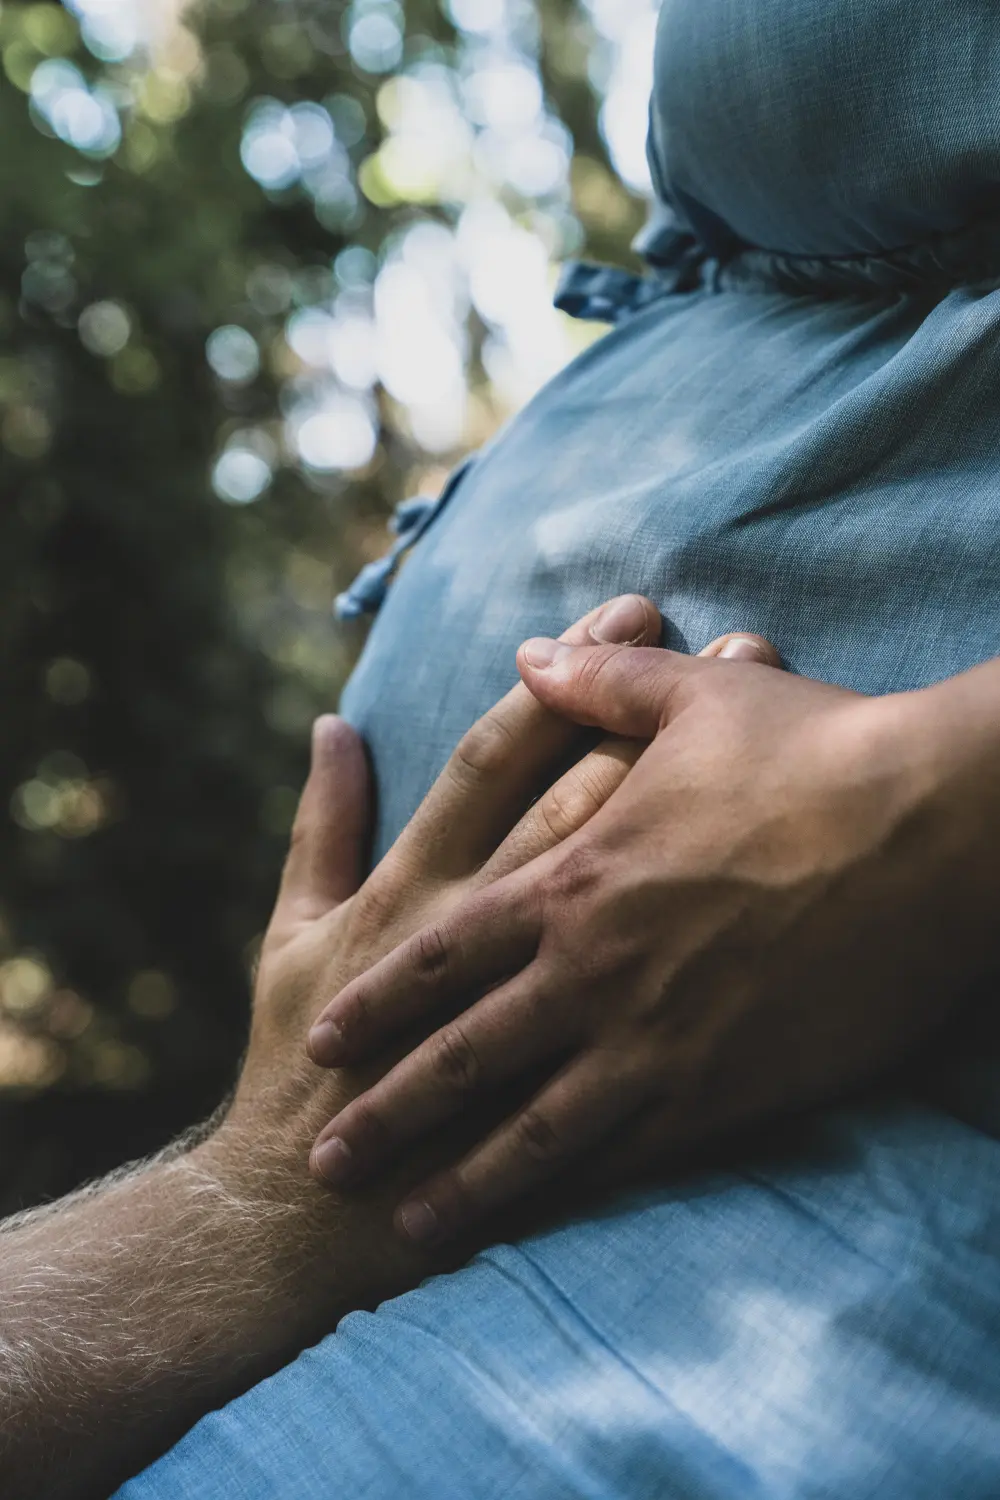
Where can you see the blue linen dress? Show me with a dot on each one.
(794, 428)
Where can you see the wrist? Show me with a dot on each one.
(322, 1253)
(246, 1196)
(952, 734)
(949, 741)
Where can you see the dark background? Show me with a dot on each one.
(172, 531)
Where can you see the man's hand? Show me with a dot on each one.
(765, 911)
(128, 1310)
(479, 821)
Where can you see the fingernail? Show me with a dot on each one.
(543, 653)
(326, 1043)
(333, 1159)
(742, 648)
(622, 620)
(419, 1221)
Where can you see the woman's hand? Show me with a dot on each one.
(763, 912)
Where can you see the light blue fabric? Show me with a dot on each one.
(817, 1332)
(821, 466)
(827, 127)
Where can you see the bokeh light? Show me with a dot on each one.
(233, 354)
(374, 30)
(78, 114)
(338, 433)
(111, 29)
(244, 469)
(477, 16)
(274, 268)
(104, 328)
(628, 28)
(470, 147)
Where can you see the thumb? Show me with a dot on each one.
(626, 690)
(623, 689)
(742, 646)
(326, 860)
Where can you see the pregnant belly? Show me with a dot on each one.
(823, 472)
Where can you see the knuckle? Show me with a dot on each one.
(354, 1017)
(582, 794)
(595, 665)
(483, 750)
(559, 812)
(456, 1063)
(454, 1200)
(368, 1131)
(539, 1013)
(431, 957)
(591, 785)
(576, 876)
(568, 805)
(525, 909)
(375, 906)
(537, 1138)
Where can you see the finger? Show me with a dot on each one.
(624, 691)
(326, 858)
(584, 789)
(565, 807)
(743, 646)
(627, 692)
(577, 1109)
(508, 1031)
(500, 763)
(494, 935)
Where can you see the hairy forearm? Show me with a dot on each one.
(129, 1310)
(132, 1308)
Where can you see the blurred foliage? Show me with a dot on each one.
(213, 389)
